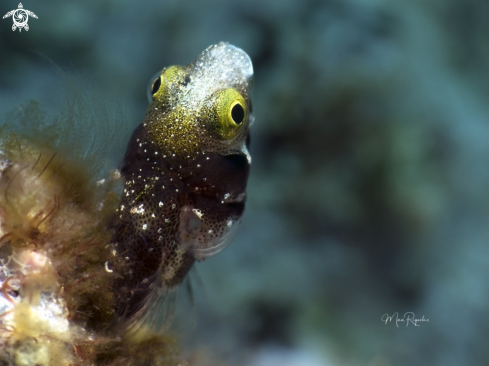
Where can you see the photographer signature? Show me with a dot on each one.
(409, 317)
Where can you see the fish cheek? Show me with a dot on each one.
(209, 223)
(221, 176)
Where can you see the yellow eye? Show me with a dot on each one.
(153, 85)
(156, 85)
(160, 82)
(237, 113)
(230, 111)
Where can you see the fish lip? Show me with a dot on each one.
(231, 199)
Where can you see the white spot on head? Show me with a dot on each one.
(139, 209)
(107, 269)
(198, 213)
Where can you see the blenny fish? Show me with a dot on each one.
(184, 173)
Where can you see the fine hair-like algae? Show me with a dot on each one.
(57, 199)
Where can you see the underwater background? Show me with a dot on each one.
(368, 192)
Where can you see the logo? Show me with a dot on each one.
(408, 318)
(20, 17)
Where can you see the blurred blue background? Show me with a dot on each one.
(369, 187)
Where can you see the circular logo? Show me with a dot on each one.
(20, 18)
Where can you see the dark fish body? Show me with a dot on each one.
(185, 172)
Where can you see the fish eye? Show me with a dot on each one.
(237, 113)
(156, 85)
(230, 112)
(160, 83)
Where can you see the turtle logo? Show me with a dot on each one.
(20, 17)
